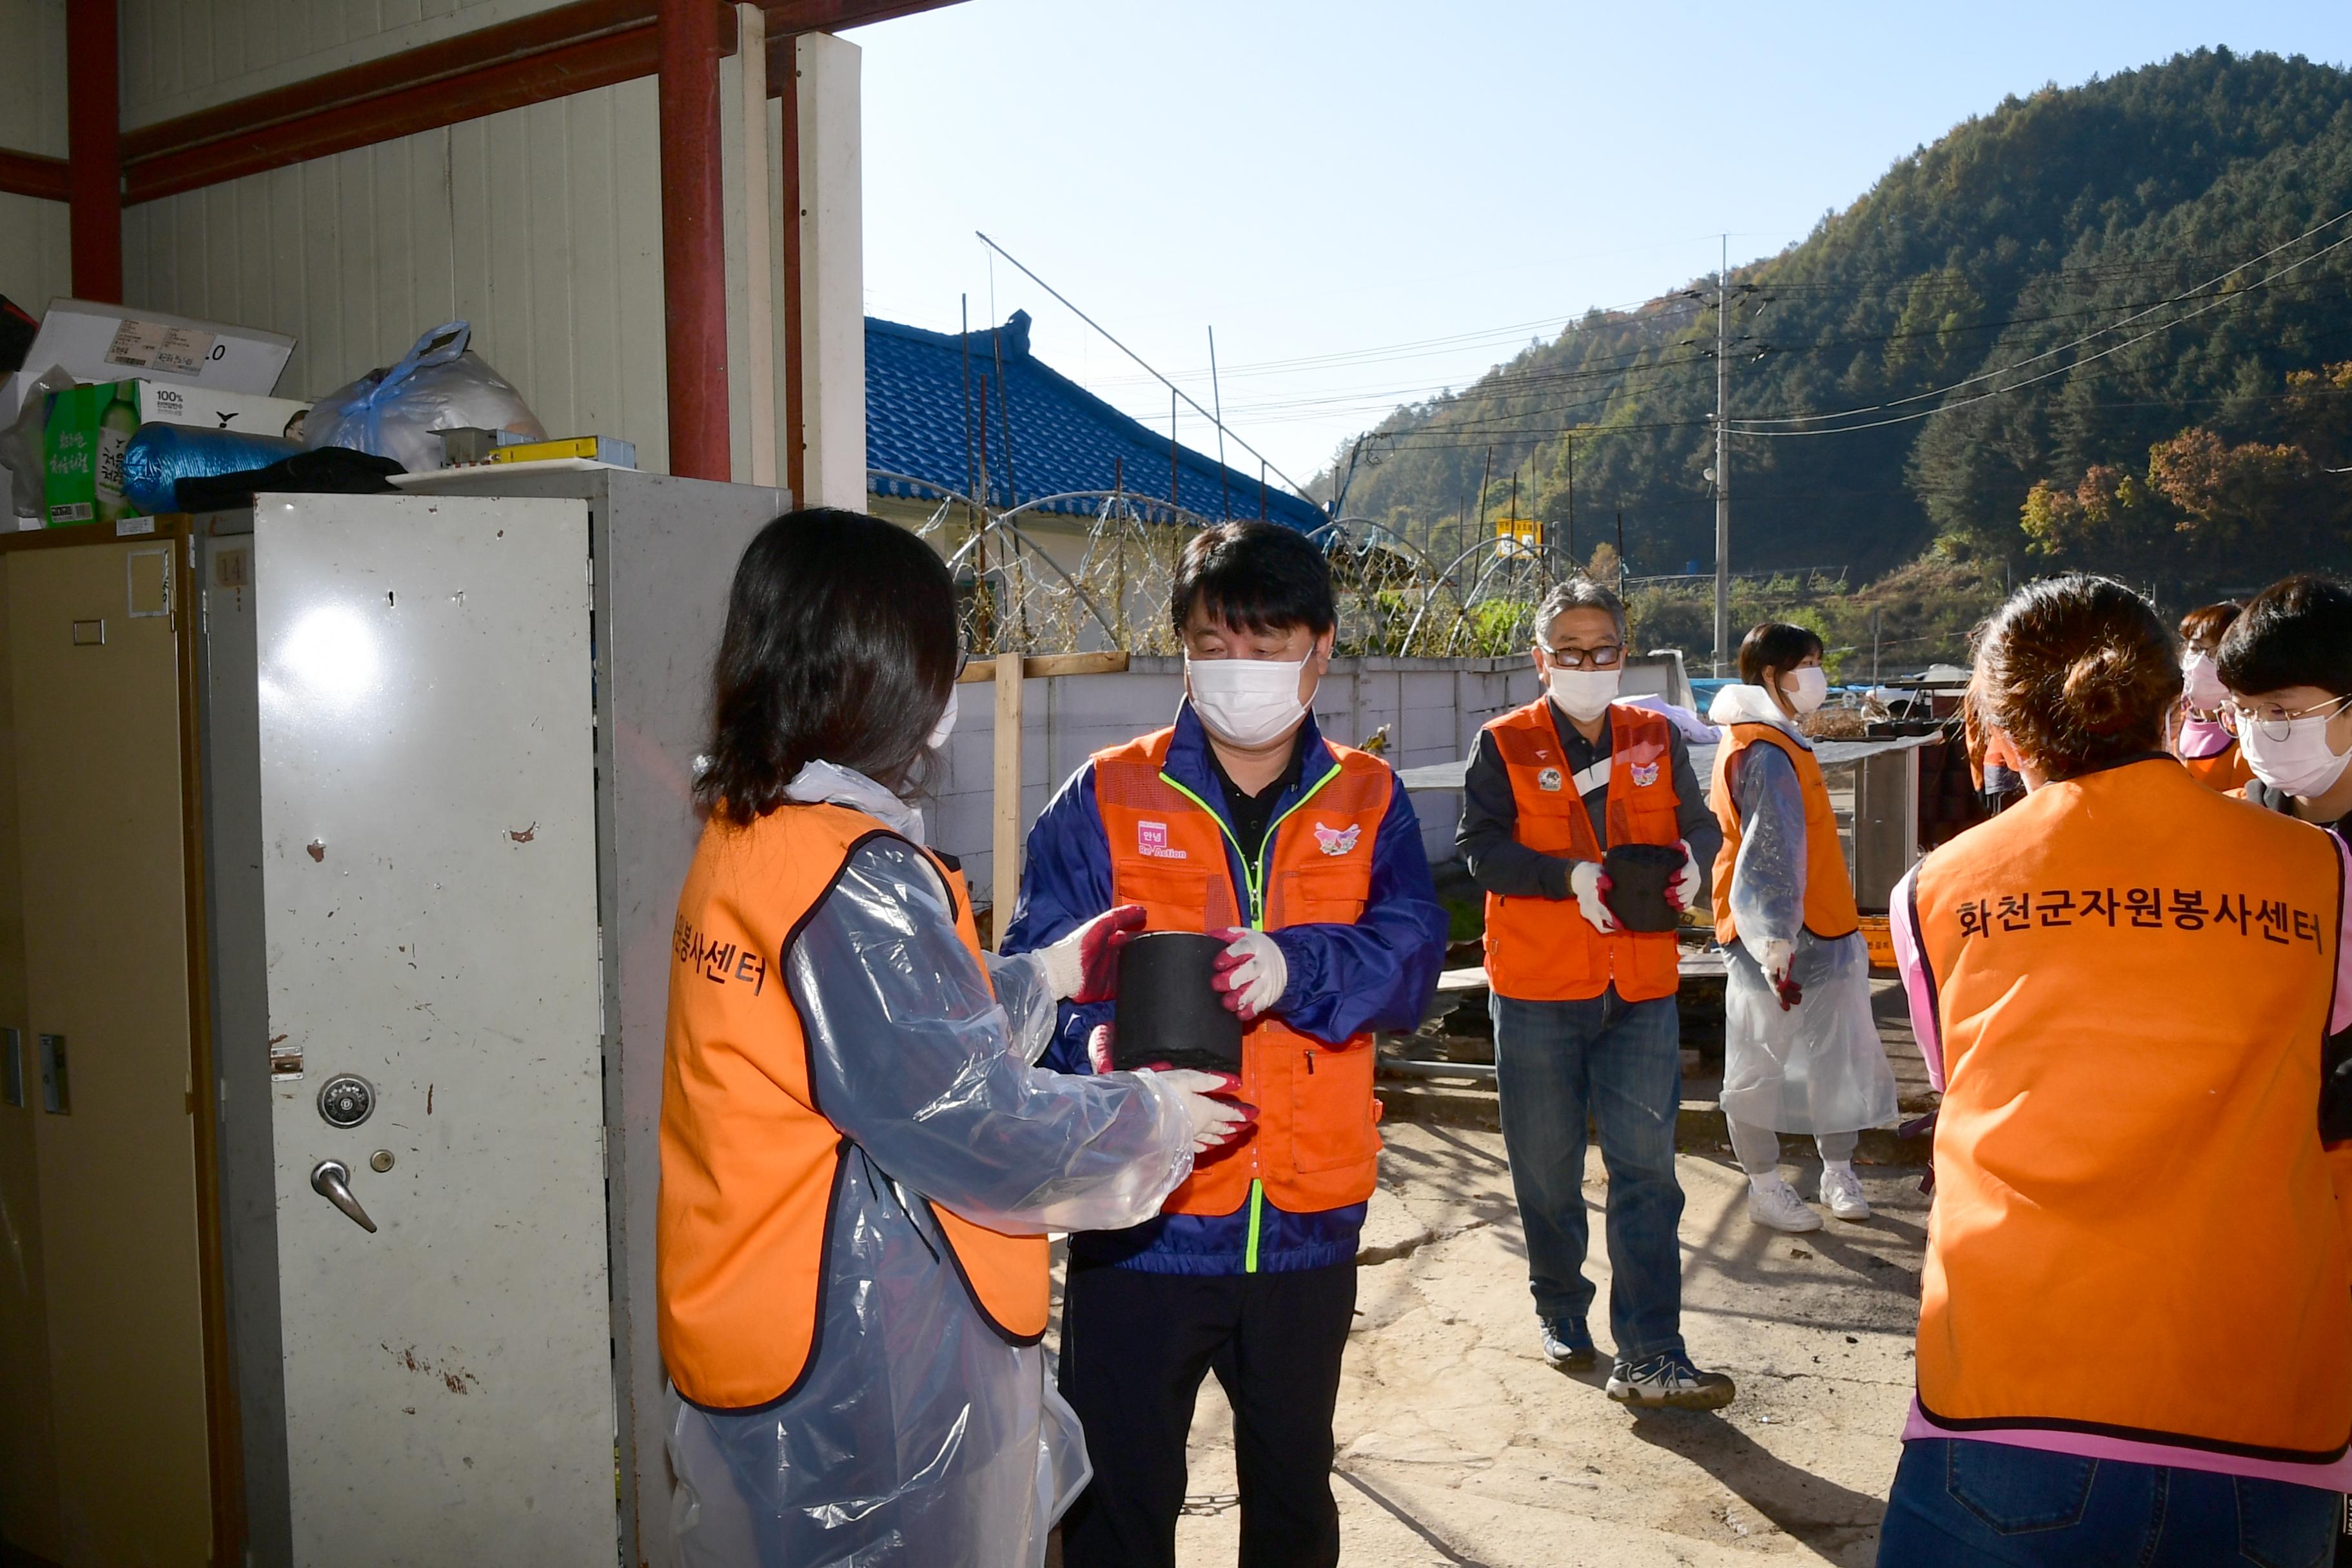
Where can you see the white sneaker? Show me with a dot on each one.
(1771, 1201)
(1842, 1193)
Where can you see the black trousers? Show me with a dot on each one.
(1134, 1347)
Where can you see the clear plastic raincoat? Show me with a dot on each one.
(1817, 1066)
(919, 1436)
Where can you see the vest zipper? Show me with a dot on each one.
(1257, 1205)
(1254, 874)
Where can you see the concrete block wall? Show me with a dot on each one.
(1434, 708)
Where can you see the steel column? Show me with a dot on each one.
(694, 253)
(94, 148)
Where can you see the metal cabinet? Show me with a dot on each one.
(346, 904)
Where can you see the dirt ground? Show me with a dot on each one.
(1459, 1445)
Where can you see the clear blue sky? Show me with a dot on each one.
(1402, 196)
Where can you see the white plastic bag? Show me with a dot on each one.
(21, 446)
(440, 384)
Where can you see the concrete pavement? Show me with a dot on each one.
(1459, 1445)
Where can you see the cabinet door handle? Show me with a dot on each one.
(331, 1180)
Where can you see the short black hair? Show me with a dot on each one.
(1775, 645)
(1254, 577)
(841, 646)
(2298, 632)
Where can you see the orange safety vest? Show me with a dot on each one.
(1830, 911)
(749, 1166)
(1317, 1146)
(1542, 950)
(2132, 976)
(2224, 770)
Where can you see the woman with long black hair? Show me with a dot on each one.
(858, 1161)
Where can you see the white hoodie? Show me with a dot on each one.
(1750, 705)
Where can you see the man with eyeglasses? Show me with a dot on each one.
(1584, 1014)
(2287, 663)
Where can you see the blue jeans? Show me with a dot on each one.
(1618, 1062)
(1959, 1501)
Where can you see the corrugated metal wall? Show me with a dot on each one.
(35, 261)
(540, 226)
(180, 56)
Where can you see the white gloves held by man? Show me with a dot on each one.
(1588, 883)
(1251, 973)
(1217, 1119)
(1682, 891)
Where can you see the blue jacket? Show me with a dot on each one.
(1377, 973)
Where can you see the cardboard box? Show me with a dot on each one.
(97, 344)
(90, 427)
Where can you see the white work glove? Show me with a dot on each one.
(1218, 1120)
(1588, 882)
(1251, 973)
(1084, 965)
(1682, 893)
(1776, 957)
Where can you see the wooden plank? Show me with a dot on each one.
(1005, 874)
(1045, 666)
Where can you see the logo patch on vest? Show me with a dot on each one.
(1151, 839)
(1548, 780)
(1338, 840)
(1645, 775)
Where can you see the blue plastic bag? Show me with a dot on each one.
(160, 456)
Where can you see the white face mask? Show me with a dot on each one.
(946, 726)
(1811, 690)
(1583, 694)
(2301, 764)
(2205, 690)
(1246, 702)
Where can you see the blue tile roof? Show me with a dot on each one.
(1063, 437)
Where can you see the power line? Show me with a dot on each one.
(2077, 342)
(1296, 489)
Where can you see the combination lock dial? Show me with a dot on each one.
(346, 1100)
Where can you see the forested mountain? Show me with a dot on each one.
(2060, 286)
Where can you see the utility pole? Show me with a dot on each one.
(1722, 459)
(1224, 482)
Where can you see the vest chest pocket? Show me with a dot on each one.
(1549, 823)
(1178, 896)
(1320, 895)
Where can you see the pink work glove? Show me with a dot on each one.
(1219, 1118)
(1251, 973)
(1682, 891)
(1084, 965)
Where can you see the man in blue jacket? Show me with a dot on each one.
(1306, 858)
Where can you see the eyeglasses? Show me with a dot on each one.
(2236, 719)
(1603, 657)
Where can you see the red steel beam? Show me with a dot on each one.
(30, 175)
(694, 251)
(464, 56)
(94, 148)
(548, 74)
(551, 54)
